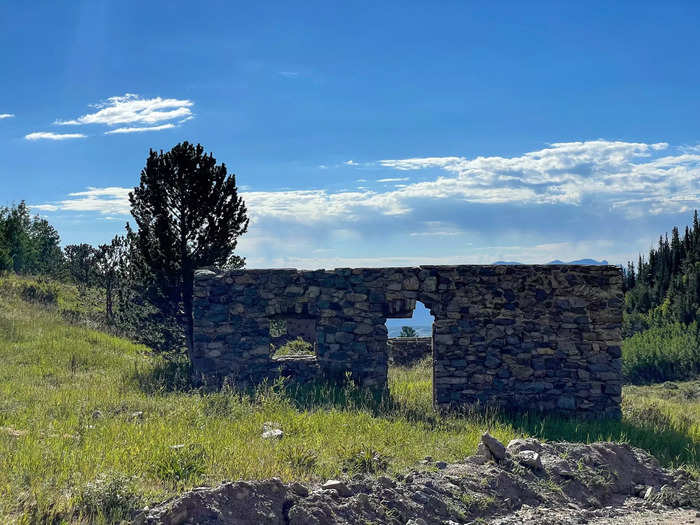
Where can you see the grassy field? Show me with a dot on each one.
(91, 423)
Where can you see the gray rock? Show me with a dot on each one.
(299, 489)
(529, 458)
(519, 444)
(497, 449)
(482, 453)
(341, 488)
(274, 433)
(441, 465)
(386, 482)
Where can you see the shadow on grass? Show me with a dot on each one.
(166, 374)
(669, 445)
(670, 442)
(656, 433)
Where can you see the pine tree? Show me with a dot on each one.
(189, 215)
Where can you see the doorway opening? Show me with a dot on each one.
(410, 351)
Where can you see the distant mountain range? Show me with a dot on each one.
(589, 262)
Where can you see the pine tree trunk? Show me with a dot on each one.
(110, 314)
(187, 293)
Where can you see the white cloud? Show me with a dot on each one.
(48, 135)
(399, 179)
(133, 109)
(6, 115)
(140, 129)
(108, 201)
(620, 175)
(350, 163)
(563, 193)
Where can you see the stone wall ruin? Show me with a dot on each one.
(520, 337)
(405, 351)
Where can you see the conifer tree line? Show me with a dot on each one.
(666, 284)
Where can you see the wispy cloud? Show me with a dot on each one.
(632, 177)
(350, 163)
(134, 109)
(399, 179)
(6, 115)
(108, 201)
(564, 192)
(289, 74)
(139, 130)
(48, 135)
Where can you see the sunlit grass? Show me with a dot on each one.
(85, 413)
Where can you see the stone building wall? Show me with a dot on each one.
(407, 350)
(522, 337)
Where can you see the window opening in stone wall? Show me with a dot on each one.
(292, 336)
(411, 350)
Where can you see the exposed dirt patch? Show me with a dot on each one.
(527, 482)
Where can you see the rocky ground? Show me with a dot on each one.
(527, 482)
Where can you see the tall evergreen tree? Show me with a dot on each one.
(189, 215)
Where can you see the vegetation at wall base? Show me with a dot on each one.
(93, 426)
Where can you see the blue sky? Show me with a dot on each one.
(366, 134)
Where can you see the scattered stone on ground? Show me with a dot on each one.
(534, 483)
(272, 431)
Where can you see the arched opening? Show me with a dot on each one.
(410, 352)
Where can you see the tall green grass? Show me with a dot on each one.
(92, 425)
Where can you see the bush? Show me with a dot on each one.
(44, 292)
(296, 347)
(180, 463)
(111, 497)
(365, 460)
(665, 352)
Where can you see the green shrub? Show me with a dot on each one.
(110, 498)
(40, 291)
(365, 460)
(180, 463)
(300, 459)
(296, 347)
(665, 352)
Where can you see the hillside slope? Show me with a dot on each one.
(91, 423)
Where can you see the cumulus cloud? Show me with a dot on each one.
(134, 109)
(48, 135)
(563, 192)
(139, 130)
(625, 176)
(6, 115)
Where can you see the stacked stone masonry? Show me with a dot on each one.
(520, 337)
(407, 350)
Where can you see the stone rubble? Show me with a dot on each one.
(599, 483)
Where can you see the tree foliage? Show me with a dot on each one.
(80, 263)
(189, 215)
(28, 244)
(408, 331)
(669, 277)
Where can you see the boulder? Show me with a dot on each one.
(497, 449)
(341, 488)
